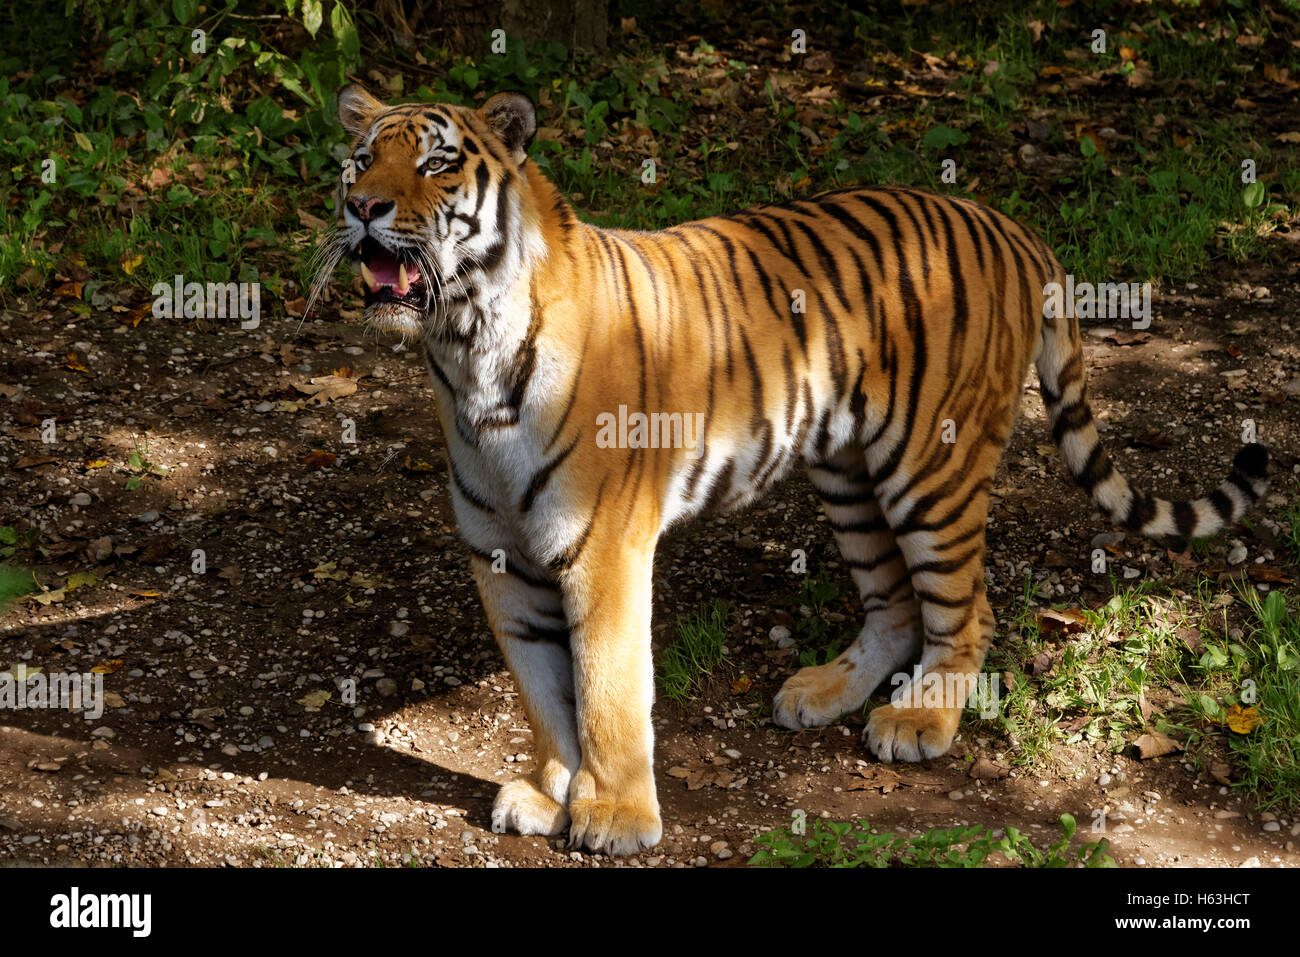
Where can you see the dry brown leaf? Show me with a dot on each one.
(1221, 771)
(1266, 573)
(699, 778)
(325, 387)
(874, 777)
(1060, 624)
(985, 770)
(310, 221)
(314, 699)
(34, 461)
(319, 459)
(1153, 744)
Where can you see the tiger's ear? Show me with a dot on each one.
(358, 109)
(514, 121)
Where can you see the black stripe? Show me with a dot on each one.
(528, 631)
(1071, 418)
(1140, 511)
(543, 475)
(884, 558)
(862, 526)
(471, 496)
(527, 577)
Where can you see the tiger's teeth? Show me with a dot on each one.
(403, 284)
(369, 277)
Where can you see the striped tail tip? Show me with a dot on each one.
(1251, 461)
(1177, 522)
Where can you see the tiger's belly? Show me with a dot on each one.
(741, 455)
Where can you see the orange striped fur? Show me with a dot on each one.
(896, 385)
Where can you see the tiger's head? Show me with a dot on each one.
(432, 202)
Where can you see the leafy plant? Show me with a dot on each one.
(849, 844)
(813, 631)
(141, 465)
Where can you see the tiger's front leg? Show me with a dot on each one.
(613, 805)
(527, 618)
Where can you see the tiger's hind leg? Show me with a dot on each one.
(943, 545)
(890, 637)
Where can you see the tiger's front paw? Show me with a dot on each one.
(910, 734)
(522, 807)
(620, 825)
(814, 696)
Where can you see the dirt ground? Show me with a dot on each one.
(321, 569)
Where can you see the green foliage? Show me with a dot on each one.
(1259, 672)
(186, 86)
(14, 583)
(846, 844)
(13, 541)
(140, 465)
(813, 631)
(698, 651)
(942, 137)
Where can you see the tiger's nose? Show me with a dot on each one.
(366, 208)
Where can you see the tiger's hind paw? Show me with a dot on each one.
(910, 734)
(814, 696)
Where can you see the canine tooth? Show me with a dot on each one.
(403, 284)
(369, 277)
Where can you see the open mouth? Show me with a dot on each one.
(391, 278)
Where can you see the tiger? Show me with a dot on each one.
(878, 336)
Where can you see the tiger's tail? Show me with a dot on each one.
(1065, 393)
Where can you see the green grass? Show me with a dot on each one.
(1023, 718)
(1127, 647)
(1259, 671)
(695, 655)
(1133, 651)
(848, 844)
